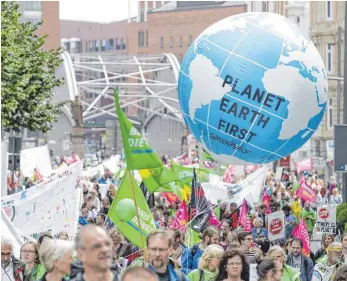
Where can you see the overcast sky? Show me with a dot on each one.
(96, 10)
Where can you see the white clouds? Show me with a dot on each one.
(97, 11)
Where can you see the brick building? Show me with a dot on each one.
(161, 27)
(46, 11)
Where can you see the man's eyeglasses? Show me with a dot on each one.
(160, 250)
(27, 252)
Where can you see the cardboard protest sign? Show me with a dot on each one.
(276, 229)
(326, 219)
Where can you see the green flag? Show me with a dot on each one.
(186, 174)
(138, 154)
(208, 163)
(192, 237)
(134, 223)
(164, 180)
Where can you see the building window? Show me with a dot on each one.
(161, 42)
(190, 40)
(78, 47)
(171, 42)
(32, 5)
(180, 42)
(329, 10)
(141, 39)
(117, 44)
(110, 44)
(330, 48)
(142, 15)
(67, 46)
(297, 20)
(330, 114)
(146, 38)
(103, 45)
(97, 45)
(91, 46)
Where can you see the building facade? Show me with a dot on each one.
(325, 19)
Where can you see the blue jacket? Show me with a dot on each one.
(190, 262)
(306, 269)
(173, 274)
(262, 231)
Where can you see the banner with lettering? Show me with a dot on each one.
(300, 231)
(326, 219)
(304, 165)
(53, 205)
(323, 272)
(135, 221)
(306, 193)
(276, 230)
(181, 218)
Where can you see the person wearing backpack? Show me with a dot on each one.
(191, 256)
(208, 264)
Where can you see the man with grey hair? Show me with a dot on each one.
(11, 268)
(95, 250)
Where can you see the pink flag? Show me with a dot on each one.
(38, 174)
(302, 179)
(306, 193)
(266, 201)
(214, 220)
(181, 218)
(244, 219)
(300, 231)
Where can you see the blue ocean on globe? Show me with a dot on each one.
(252, 88)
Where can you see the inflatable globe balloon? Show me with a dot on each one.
(126, 210)
(252, 88)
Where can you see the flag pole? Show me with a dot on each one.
(137, 213)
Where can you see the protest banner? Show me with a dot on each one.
(37, 157)
(276, 226)
(304, 165)
(306, 193)
(323, 272)
(181, 218)
(300, 231)
(52, 205)
(9, 231)
(326, 219)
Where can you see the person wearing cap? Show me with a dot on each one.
(332, 260)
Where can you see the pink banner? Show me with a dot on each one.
(305, 165)
(266, 201)
(300, 231)
(214, 220)
(244, 219)
(306, 193)
(181, 218)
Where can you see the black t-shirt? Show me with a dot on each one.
(164, 276)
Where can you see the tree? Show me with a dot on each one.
(27, 75)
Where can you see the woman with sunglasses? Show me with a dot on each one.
(269, 270)
(30, 257)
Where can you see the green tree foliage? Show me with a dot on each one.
(27, 75)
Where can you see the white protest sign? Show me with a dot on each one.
(253, 276)
(326, 219)
(50, 206)
(322, 272)
(276, 229)
(103, 188)
(37, 157)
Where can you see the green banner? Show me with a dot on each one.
(138, 154)
(130, 213)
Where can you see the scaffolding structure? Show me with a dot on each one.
(147, 86)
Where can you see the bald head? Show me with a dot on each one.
(90, 230)
(139, 273)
